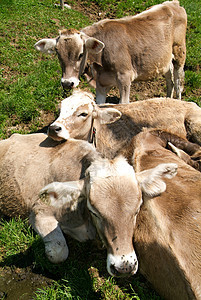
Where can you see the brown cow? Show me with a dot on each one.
(167, 231)
(123, 50)
(111, 127)
(111, 183)
(30, 162)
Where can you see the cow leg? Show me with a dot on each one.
(179, 52)
(170, 81)
(45, 224)
(124, 93)
(178, 80)
(124, 84)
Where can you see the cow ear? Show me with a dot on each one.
(58, 193)
(180, 153)
(93, 45)
(108, 115)
(46, 45)
(151, 181)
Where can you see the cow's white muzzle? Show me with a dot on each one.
(122, 265)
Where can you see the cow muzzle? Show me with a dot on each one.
(121, 266)
(70, 83)
(57, 132)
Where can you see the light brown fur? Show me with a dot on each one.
(29, 162)
(177, 117)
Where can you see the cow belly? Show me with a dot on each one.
(150, 68)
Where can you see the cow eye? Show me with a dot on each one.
(81, 56)
(83, 114)
(93, 213)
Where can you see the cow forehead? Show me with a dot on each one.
(104, 168)
(112, 188)
(72, 40)
(71, 104)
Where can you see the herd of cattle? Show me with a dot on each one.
(128, 172)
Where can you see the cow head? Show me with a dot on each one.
(77, 114)
(70, 208)
(72, 48)
(114, 195)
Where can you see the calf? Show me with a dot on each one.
(108, 184)
(111, 127)
(164, 226)
(30, 162)
(123, 50)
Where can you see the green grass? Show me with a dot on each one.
(29, 82)
(29, 90)
(15, 237)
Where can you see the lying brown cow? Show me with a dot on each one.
(123, 50)
(27, 164)
(115, 180)
(167, 230)
(111, 127)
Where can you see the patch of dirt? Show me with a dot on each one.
(92, 11)
(43, 121)
(20, 283)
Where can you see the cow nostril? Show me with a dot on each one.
(54, 129)
(67, 84)
(58, 129)
(114, 270)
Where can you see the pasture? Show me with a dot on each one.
(29, 95)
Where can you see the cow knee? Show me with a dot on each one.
(56, 250)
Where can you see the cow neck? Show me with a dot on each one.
(92, 134)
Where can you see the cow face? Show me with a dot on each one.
(72, 48)
(114, 196)
(76, 115)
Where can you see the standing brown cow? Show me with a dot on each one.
(123, 50)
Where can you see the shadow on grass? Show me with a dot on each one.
(73, 273)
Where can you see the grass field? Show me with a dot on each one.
(29, 93)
